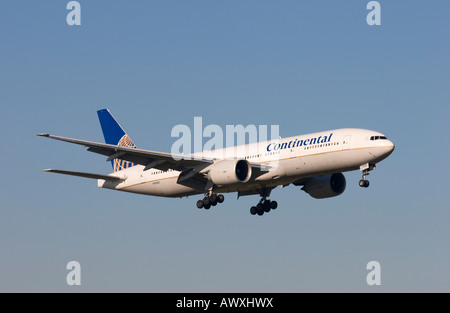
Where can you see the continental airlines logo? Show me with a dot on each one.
(298, 143)
(126, 142)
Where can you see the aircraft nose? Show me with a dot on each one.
(391, 147)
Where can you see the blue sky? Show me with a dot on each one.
(306, 66)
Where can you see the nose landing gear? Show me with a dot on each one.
(365, 169)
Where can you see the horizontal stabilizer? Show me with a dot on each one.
(86, 175)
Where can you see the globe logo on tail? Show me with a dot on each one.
(119, 164)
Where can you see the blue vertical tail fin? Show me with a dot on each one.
(115, 135)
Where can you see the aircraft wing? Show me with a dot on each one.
(150, 159)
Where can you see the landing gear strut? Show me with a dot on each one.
(365, 169)
(264, 205)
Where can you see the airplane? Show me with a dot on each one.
(314, 161)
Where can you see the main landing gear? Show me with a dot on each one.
(263, 206)
(365, 169)
(209, 201)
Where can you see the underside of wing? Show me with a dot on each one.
(263, 191)
(86, 175)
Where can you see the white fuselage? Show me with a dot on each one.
(289, 160)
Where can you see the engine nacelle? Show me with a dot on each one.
(325, 186)
(227, 172)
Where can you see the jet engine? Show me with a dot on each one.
(325, 186)
(227, 172)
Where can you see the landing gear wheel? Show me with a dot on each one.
(220, 198)
(253, 210)
(364, 183)
(207, 206)
(213, 199)
(273, 205)
(259, 209)
(206, 201)
(199, 204)
(266, 206)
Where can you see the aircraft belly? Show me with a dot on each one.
(167, 187)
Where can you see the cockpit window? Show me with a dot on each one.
(377, 137)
